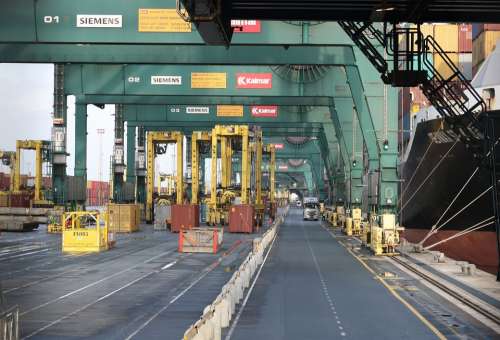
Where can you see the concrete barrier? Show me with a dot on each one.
(218, 315)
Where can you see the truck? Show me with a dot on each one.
(311, 208)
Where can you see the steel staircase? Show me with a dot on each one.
(411, 66)
(452, 94)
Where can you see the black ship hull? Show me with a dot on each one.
(431, 183)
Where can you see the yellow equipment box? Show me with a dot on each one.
(124, 218)
(85, 231)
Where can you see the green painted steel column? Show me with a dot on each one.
(140, 166)
(131, 138)
(309, 182)
(331, 156)
(118, 156)
(189, 169)
(389, 179)
(382, 102)
(81, 141)
(59, 137)
(202, 175)
(316, 164)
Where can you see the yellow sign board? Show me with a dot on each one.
(161, 20)
(230, 110)
(212, 80)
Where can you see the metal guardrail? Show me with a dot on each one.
(218, 315)
(9, 324)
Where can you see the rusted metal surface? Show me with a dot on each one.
(242, 218)
(200, 240)
(185, 216)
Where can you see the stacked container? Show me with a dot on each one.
(97, 193)
(485, 38)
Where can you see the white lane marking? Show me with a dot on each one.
(31, 283)
(93, 283)
(88, 305)
(168, 265)
(240, 311)
(23, 254)
(321, 277)
(148, 321)
(6, 251)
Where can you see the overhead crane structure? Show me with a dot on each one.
(200, 141)
(154, 139)
(315, 115)
(309, 150)
(8, 158)
(269, 150)
(42, 154)
(323, 44)
(224, 194)
(341, 89)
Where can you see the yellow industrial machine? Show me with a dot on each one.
(42, 149)
(170, 180)
(221, 198)
(384, 236)
(8, 158)
(270, 150)
(199, 139)
(356, 221)
(259, 202)
(85, 231)
(156, 145)
(348, 226)
(22, 208)
(56, 220)
(226, 198)
(352, 225)
(339, 217)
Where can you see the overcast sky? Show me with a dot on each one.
(26, 96)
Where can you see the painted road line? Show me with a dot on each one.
(240, 311)
(168, 265)
(391, 290)
(89, 305)
(191, 285)
(94, 283)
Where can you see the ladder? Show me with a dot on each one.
(451, 94)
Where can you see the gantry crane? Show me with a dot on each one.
(170, 189)
(42, 154)
(18, 215)
(270, 150)
(259, 202)
(232, 203)
(200, 141)
(8, 158)
(155, 140)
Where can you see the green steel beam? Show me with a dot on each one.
(81, 141)
(335, 86)
(180, 114)
(55, 21)
(204, 100)
(336, 55)
(131, 138)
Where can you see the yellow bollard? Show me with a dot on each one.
(348, 226)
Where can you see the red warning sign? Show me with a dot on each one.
(270, 111)
(246, 26)
(254, 80)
